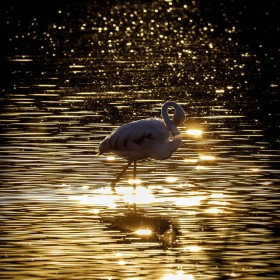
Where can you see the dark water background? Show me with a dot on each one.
(71, 71)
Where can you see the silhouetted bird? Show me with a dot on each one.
(147, 138)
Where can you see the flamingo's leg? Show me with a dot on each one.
(114, 182)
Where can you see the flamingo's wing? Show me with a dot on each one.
(135, 133)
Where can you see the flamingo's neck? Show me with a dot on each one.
(178, 117)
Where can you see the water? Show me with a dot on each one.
(77, 71)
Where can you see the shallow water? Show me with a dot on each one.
(79, 71)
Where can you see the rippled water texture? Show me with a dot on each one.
(72, 73)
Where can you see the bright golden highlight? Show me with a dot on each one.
(171, 179)
(143, 232)
(179, 275)
(194, 132)
(207, 158)
(134, 181)
(110, 158)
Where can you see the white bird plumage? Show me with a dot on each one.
(152, 138)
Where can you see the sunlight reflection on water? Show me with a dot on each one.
(209, 212)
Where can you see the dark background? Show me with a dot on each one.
(257, 29)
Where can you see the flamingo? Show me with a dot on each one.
(146, 138)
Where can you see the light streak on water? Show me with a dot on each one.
(194, 132)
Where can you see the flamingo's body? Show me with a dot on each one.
(148, 138)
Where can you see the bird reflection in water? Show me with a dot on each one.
(141, 227)
(143, 139)
(106, 205)
(137, 226)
